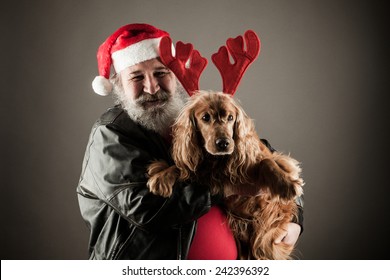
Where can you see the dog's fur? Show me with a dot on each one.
(215, 143)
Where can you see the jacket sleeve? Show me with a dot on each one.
(115, 173)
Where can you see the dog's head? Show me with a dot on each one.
(213, 123)
(214, 116)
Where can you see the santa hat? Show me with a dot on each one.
(129, 45)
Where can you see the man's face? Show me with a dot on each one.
(150, 95)
(148, 84)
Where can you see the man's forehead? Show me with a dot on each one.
(149, 65)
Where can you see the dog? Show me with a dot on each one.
(215, 143)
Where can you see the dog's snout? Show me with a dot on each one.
(222, 143)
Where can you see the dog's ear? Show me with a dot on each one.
(246, 142)
(193, 121)
(244, 130)
(186, 151)
(243, 124)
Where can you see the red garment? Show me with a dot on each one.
(213, 239)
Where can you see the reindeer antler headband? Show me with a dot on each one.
(188, 64)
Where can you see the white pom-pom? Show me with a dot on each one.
(102, 86)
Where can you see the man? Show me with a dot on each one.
(126, 221)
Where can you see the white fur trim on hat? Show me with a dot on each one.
(135, 53)
(102, 86)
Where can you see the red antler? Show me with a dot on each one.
(187, 65)
(232, 73)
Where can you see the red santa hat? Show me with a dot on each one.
(129, 45)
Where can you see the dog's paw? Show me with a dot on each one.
(292, 171)
(298, 184)
(285, 187)
(280, 180)
(161, 178)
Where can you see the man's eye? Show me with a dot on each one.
(137, 78)
(206, 117)
(160, 74)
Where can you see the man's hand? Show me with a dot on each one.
(290, 236)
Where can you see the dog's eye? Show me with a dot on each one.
(206, 117)
(230, 118)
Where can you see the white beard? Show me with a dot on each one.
(157, 118)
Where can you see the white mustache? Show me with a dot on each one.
(147, 97)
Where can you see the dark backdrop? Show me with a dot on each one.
(318, 91)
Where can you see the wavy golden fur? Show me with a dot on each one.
(215, 143)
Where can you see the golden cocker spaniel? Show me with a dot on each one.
(215, 143)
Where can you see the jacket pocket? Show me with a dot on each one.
(114, 234)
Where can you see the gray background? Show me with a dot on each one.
(316, 91)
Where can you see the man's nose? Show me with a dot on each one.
(151, 85)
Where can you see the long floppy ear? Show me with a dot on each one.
(246, 142)
(186, 151)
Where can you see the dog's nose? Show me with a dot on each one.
(222, 143)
